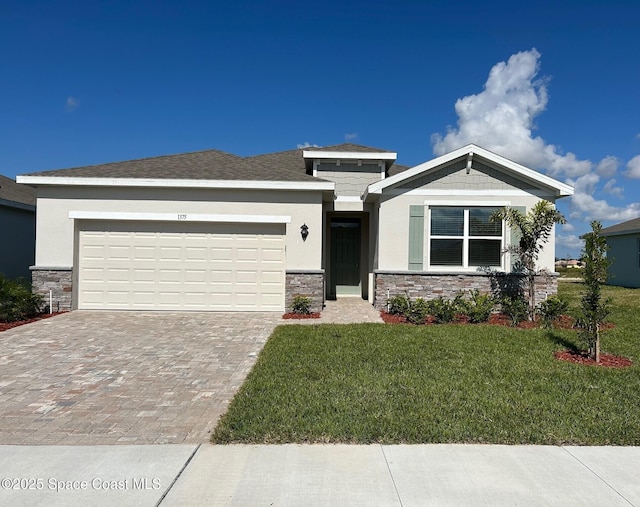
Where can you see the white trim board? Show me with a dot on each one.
(466, 203)
(558, 188)
(180, 217)
(175, 183)
(349, 155)
(472, 193)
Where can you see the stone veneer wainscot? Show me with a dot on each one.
(305, 283)
(57, 280)
(417, 284)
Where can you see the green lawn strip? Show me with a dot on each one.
(366, 383)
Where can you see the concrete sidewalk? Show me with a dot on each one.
(327, 475)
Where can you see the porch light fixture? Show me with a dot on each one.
(304, 231)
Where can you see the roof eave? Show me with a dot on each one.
(176, 183)
(618, 233)
(18, 205)
(387, 157)
(557, 188)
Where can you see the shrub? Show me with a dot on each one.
(17, 302)
(418, 311)
(479, 307)
(301, 304)
(399, 305)
(445, 310)
(516, 308)
(551, 308)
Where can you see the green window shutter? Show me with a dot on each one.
(416, 237)
(515, 238)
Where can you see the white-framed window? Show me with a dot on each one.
(464, 237)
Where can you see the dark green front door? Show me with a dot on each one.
(345, 257)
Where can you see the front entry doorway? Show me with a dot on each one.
(345, 257)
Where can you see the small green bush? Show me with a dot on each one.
(301, 305)
(479, 307)
(399, 305)
(552, 308)
(445, 310)
(17, 302)
(418, 311)
(516, 308)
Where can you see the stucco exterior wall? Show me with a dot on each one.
(625, 269)
(55, 230)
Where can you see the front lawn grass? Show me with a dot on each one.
(367, 383)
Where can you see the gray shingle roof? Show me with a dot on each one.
(15, 192)
(211, 165)
(292, 159)
(628, 227)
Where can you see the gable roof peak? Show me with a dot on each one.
(558, 188)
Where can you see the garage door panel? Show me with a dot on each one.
(271, 278)
(141, 298)
(181, 266)
(221, 254)
(118, 252)
(117, 275)
(144, 252)
(247, 277)
(196, 254)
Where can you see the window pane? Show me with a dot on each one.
(446, 252)
(484, 252)
(447, 221)
(479, 224)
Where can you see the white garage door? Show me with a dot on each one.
(124, 265)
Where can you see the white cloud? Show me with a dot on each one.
(590, 208)
(351, 136)
(568, 227)
(568, 242)
(608, 166)
(501, 119)
(610, 188)
(72, 104)
(307, 145)
(633, 168)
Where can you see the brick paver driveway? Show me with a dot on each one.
(124, 377)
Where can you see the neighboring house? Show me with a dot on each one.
(568, 263)
(213, 231)
(624, 251)
(17, 228)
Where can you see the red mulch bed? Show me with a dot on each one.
(496, 319)
(10, 325)
(606, 360)
(564, 322)
(315, 315)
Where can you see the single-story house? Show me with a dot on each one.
(214, 231)
(624, 251)
(17, 228)
(570, 263)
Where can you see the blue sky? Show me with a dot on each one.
(553, 85)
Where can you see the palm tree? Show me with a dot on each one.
(534, 229)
